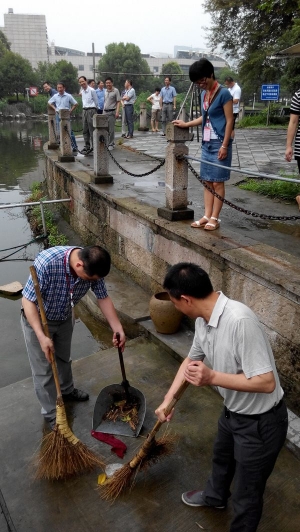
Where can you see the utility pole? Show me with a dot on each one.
(94, 67)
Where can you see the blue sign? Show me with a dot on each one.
(270, 92)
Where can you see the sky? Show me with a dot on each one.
(153, 27)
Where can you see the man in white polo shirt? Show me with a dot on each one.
(235, 91)
(253, 425)
(89, 106)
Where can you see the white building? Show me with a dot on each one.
(27, 35)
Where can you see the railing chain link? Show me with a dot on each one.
(162, 162)
(232, 205)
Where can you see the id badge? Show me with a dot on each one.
(206, 133)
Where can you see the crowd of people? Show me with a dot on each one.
(219, 111)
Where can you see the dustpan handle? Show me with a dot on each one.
(125, 382)
(45, 325)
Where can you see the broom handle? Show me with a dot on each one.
(142, 453)
(45, 326)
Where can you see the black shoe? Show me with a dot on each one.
(75, 150)
(195, 498)
(76, 395)
(163, 135)
(85, 150)
(123, 135)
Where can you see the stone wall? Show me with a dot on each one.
(143, 246)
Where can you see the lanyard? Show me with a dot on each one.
(70, 288)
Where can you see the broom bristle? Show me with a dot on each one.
(59, 459)
(114, 486)
(125, 477)
(62, 455)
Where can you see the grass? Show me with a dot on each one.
(282, 190)
(55, 238)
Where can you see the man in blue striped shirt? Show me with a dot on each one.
(65, 274)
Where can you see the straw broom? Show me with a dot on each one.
(151, 452)
(62, 454)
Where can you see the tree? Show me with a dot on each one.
(4, 41)
(250, 32)
(60, 71)
(15, 74)
(173, 69)
(122, 61)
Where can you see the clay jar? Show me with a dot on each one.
(165, 316)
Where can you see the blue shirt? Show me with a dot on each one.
(62, 101)
(216, 112)
(131, 95)
(57, 283)
(52, 92)
(100, 96)
(168, 94)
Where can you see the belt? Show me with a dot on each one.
(88, 108)
(168, 103)
(228, 413)
(108, 110)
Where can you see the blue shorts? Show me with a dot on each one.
(210, 150)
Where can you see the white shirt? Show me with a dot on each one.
(235, 92)
(89, 98)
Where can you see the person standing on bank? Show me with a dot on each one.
(111, 108)
(100, 95)
(167, 103)
(154, 99)
(89, 106)
(129, 99)
(63, 100)
(253, 424)
(217, 124)
(65, 274)
(235, 91)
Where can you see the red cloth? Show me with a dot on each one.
(118, 447)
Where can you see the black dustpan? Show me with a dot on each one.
(115, 393)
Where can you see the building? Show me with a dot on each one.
(27, 35)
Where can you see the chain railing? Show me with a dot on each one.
(229, 203)
(161, 162)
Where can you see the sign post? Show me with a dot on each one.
(269, 93)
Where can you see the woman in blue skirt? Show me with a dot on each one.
(217, 124)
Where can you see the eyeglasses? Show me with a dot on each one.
(201, 81)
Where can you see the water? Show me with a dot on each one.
(21, 164)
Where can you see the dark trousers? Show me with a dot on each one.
(246, 448)
(129, 118)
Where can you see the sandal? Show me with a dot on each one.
(197, 224)
(211, 226)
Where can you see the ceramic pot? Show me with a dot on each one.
(165, 316)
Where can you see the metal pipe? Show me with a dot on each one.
(247, 172)
(43, 217)
(12, 205)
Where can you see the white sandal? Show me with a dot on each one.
(197, 224)
(211, 226)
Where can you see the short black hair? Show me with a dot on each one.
(157, 89)
(48, 83)
(90, 81)
(61, 83)
(109, 79)
(186, 278)
(169, 78)
(83, 77)
(201, 69)
(229, 78)
(96, 260)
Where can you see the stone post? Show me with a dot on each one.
(143, 118)
(66, 154)
(101, 155)
(176, 172)
(52, 144)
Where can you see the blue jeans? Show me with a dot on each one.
(129, 118)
